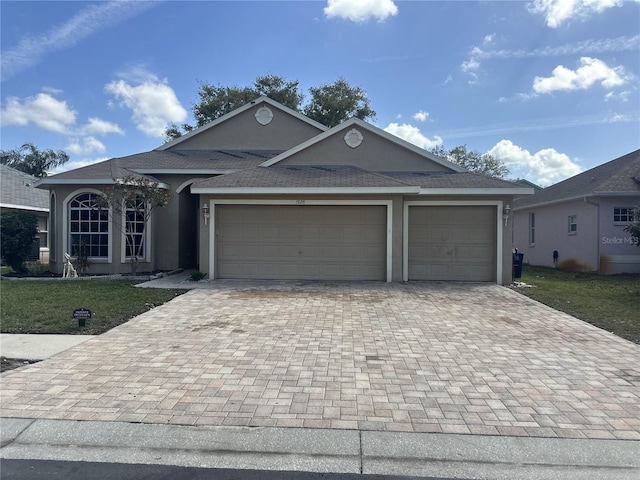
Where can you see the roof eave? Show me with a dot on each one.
(305, 190)
(24, 207)
(476, 191)
(549, 203)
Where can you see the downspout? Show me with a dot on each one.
(597, 205)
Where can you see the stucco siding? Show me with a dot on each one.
(375, 153)
(618, 252)
(243, 132)
(576, 250)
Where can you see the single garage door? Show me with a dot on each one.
(310, 242)
(452, 243)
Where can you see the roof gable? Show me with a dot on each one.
(262, 124)
(360, 144)
(620, 176)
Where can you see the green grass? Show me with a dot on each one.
(46, 306)
(610, 302)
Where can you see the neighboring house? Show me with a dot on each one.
(18, 192)
(267, 193)
(583, 220)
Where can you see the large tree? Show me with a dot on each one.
(29, 159)
(473, 161)
(329, 104)
(334, 103)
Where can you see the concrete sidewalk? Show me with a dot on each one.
(320, 450)
(38, 347)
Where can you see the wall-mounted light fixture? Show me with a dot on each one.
(506, 213)
(205, 212)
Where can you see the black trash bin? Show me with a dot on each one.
(517, 265)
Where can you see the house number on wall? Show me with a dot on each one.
(299, 202)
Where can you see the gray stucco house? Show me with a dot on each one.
(267, 193)
(18, 192)
(583, 220)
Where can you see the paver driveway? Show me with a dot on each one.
(417, 357)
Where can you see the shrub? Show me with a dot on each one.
(18, 230)
(197, 275)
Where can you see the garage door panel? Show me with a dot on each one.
(452, 243)
(310, 242)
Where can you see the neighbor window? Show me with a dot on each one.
(135, 214)
(88, 227)
(573, 224)
(623, 215)
(532, 229)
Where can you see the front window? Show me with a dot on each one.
(88, 227)
(135, 218)
(573, 224)
(623, 215)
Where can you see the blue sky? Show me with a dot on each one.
(548, 86)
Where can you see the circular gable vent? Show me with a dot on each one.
(353, 138)
(264, 115)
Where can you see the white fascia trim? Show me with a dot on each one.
(476, 191)
(24, 207)
(469, 203)
(305, 190)
(212, 222)
(185, 171)
(238, 111)
(372, 129)
(76, 181)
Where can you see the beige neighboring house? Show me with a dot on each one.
(264, 192)
(18, 192)
(583, 219)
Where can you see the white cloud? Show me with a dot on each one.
(592, 71)
(621, 97)
(412, 135)
(360, 10)
(557, 12)
(96, 126)
(421, 116)
(31, 50)
(85, 146)
(43, 110)
(154, 104)
(543, 167)
(76, 163)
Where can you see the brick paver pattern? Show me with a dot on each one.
(416, 357)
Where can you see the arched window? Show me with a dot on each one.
(88, 227)
(135, 217)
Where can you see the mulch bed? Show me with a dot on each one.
(11, 363)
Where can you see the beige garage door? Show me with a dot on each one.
(301, 242)
(452, 243)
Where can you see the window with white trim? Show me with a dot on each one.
(573, 224)
(135, 217)
(88, 227)
(623, 215)
(532, 229)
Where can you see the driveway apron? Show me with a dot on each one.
(415, 357)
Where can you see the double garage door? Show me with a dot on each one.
(312, 242)
(349, 242)
(452, 243)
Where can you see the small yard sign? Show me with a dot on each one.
(82, 314)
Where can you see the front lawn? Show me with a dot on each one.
(611, 302)
(46, 306)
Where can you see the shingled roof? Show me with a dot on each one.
(302, 176)
(18, 191)
(166, 161)
(619, 176)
